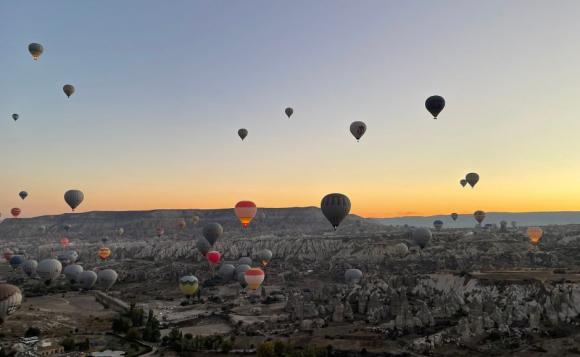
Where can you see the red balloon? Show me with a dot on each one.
(64, 242)
(213, 257)
(15, 212)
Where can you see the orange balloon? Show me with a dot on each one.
(104, 253)
(535, 235)
(245, 211)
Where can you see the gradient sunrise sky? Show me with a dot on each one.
(163, 87)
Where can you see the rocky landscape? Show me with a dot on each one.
(468, 292)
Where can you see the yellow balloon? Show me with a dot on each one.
(535, 235)
(188, 285)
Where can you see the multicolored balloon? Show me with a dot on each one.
(245, 211)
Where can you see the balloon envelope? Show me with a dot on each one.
(104, 253)
(72, 272)
(264, 256)
(353, 276)
(106, 278)
(438, 224)
(23, 194)
(242, 133)
(254, 277)
(358, 129)
(188, 285)
(203, 246)
(335, 207)
(463, 182)
(479, 216)
(472, 178)
(212, 232)
(74, 198)
(68, 89)
(454, 216)
(10, 300)
(48, 270)
(534, 235)
(226, 272)
(15, 212)
(35, 50)
(29, 267)
(16, 261)
(213, 257)
(245, 211)
(15, 116)
(87, 279)
(289, 111)
(421, 236)
(435, 105)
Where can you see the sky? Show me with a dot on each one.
(163, 86)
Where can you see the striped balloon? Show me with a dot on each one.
(104, 253)
(15, 212)
(254, 277)
(73, 198)
(10, 300)
(245, 211)
(48, 270)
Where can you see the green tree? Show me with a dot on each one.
(32, 331)
(68, 343)
(132, 334)
(266, 349)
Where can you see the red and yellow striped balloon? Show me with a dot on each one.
(254, 277)
(245, 211)
(104, 253)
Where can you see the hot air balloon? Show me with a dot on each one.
(245, 211)
(72, 272)
(202, 246)
(68, 89)
(72, 255)
(48, 270)
(438, 224)
(353, 276)
(454, 216)
(245, 261)
(181, 224)
(159, 231)
(212, 232)
(358, 129)
(289, 111)
(264, 256)
(64, 242)
(16, 261)
(35, 50)
(66, 227)
(421, 237)
(335, 207)
(8, 254)
(240, 274)
(213, 257)
(226, 272)
(87, 279)
(104, 253)
(242, 133)
(401, 250)
(29, 267)
(10, 300)
(463, 182)
(106, 278)
(23, 194)
(188, 285)
(254, 277)
(472, 178)
(479, 216)
(242, 268)
(194, 220)
(120, 231)
(74, 198)
(534, 235)
(15, 212)
(435, 105)
(15, 116)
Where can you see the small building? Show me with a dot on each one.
(47, 348)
